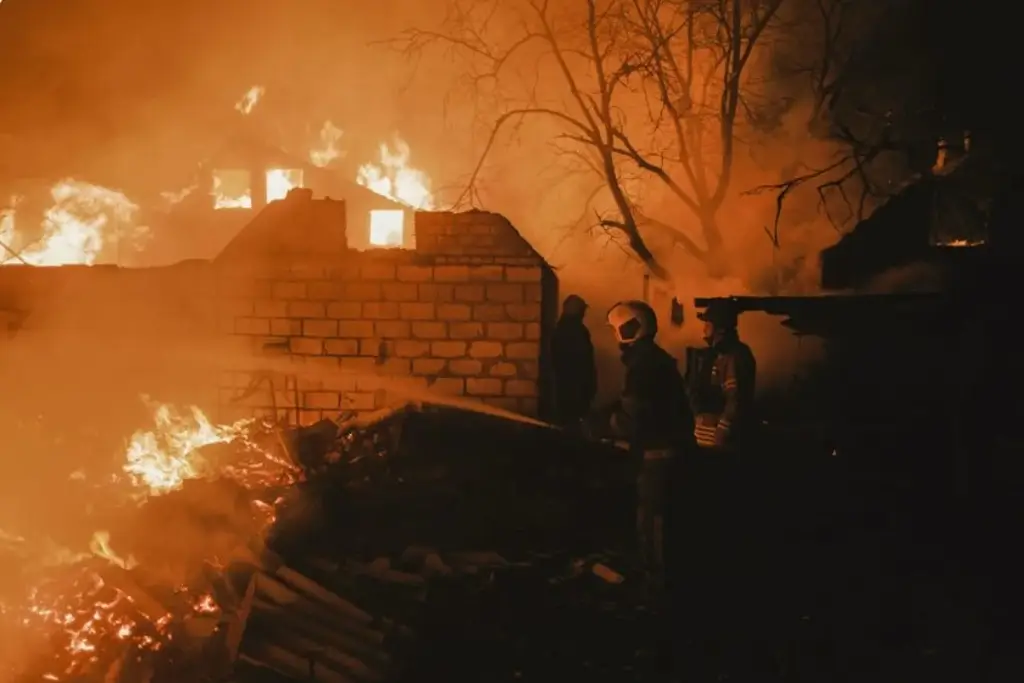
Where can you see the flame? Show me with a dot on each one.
(962, 243)
(250, 99)
(160, 461)
(99, 545)
(237, 197)
(76, 227)
(205, 604)
(327, 151)
(280, 181)
(394, 179)
(178, 197)
(90, 608)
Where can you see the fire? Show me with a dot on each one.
(77, 227)
(84, 604)
(178, 197)
(393, 178)
(232, 190)
(100, 547)
(280, 181)
(7, 227)
(962, 243)
(327, 150)
(250, 99)
(160, 461)
(205, 604)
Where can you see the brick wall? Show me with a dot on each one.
(466, 315)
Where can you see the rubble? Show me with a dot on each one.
(338, 585)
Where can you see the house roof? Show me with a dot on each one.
(901, 231)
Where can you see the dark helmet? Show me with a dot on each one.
(574, 305)
(632, 321)
(721, 313)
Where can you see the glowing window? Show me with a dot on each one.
(232, 189)
(386, 227)
(280, 181)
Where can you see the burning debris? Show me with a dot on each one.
(78, 604)
(222, 564)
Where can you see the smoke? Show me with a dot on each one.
(160, 96)
(173, 106)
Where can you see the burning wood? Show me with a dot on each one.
(186, 587)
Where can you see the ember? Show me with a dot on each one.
(78, 601)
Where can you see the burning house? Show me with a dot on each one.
(245, 175)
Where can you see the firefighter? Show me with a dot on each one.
(654, 415)
(573, 363)
(722, 389)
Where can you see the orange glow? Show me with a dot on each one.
(83, 219)
(86, 603)
(232, 189)
(395, 179)
(386, 227)
(161, 460)
(327, 149)
(281, 181)
(99, 546)
(250, 99)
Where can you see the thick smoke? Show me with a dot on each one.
(133, 97)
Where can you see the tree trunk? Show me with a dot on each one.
(716, 259)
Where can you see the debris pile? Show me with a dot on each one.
(327, 570)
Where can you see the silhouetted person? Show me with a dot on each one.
(722, 386)
(573, 364)
(654, 415)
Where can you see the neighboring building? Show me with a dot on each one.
(940, 220)
(245, 175)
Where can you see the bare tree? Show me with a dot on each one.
(649, 87)
(864, 102)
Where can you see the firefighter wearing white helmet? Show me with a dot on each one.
(654, 415)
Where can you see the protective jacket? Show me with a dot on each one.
(721, 390)
(654, 407)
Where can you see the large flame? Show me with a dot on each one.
(395, 179)
(161, 460)
(83, 220)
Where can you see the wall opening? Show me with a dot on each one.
(232, 189)
(387, 227)
(280, 181)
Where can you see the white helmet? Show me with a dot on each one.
(632, 321)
